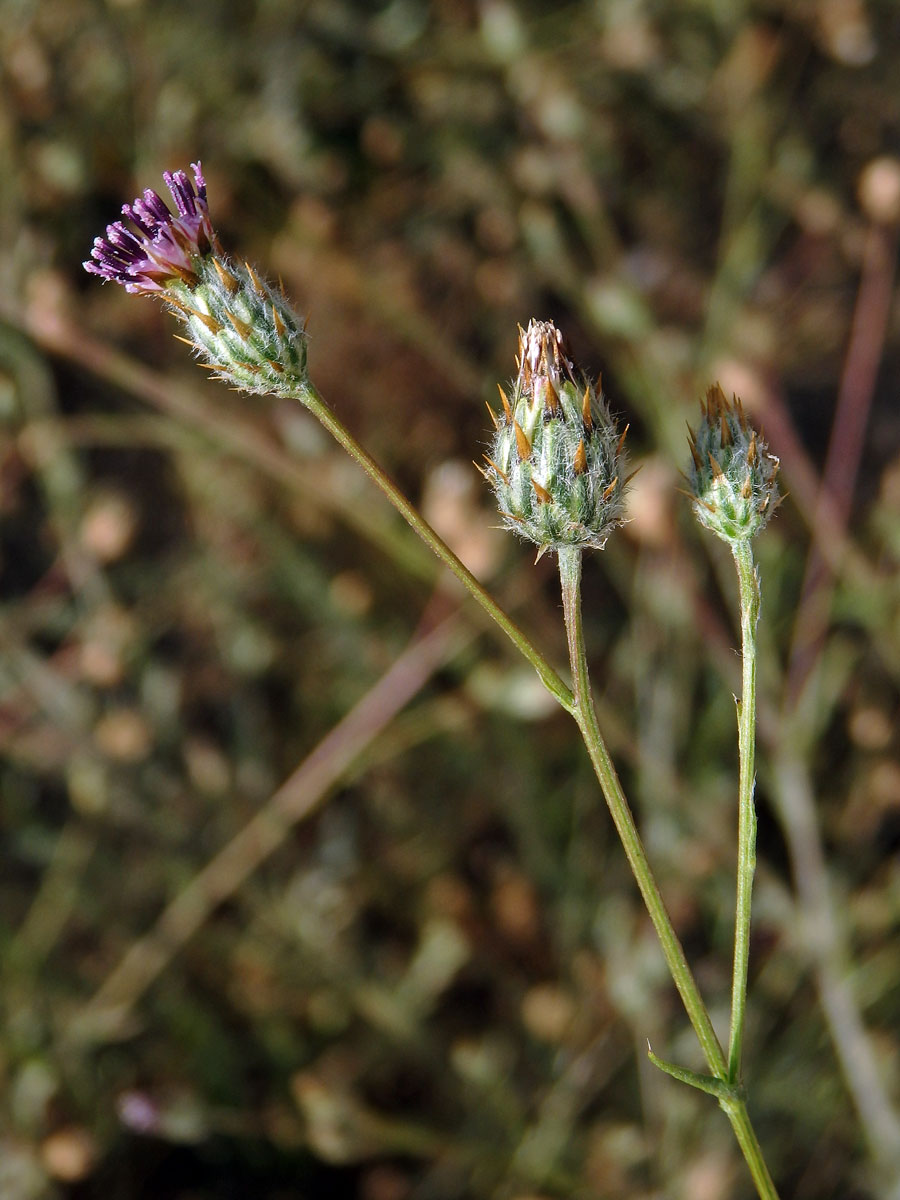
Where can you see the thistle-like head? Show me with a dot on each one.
(159, 247)
(244, 329)
(557, 463)
(733, 475)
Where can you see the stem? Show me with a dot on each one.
(732, 1102)
(736, 1112)
(749, 593)
(580, 705)
(586, 716)
(550, 679)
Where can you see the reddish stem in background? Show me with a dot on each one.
(844, 449)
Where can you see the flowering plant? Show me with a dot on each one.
(557, 469)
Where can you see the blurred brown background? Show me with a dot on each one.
(424, 973)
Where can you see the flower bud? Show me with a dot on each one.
(557, 464)
(733, 474)
(244, 329)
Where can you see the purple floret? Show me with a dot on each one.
(164, 246)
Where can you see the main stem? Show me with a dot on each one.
(586, 715)
(580, 705)
(550, 679)
(746, 866)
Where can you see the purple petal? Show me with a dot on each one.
(156, 247)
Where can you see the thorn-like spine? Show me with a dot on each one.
(741, 415)
(226, 278)
(551, 400)
(502, 474)
(188, 277)
(256, 281)
(205, 319)
(241, 327)
(610, 488)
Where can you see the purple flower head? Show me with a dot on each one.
(161, 246)
(241, 327)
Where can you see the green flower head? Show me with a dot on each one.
(733, 475)
(557, 464)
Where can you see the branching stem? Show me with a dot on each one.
(730, 1099)
(586, 716)
(580, 706)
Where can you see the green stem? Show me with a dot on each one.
(736, 1111)
(581, 707)
(731, 1100)
(550, 679)
(749, 594)
(586, 716)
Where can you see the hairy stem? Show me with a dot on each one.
(746, 865)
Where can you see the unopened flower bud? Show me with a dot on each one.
(733, 475)
(245, 330)
(557, 463)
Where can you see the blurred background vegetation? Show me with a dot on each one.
(413, 966)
